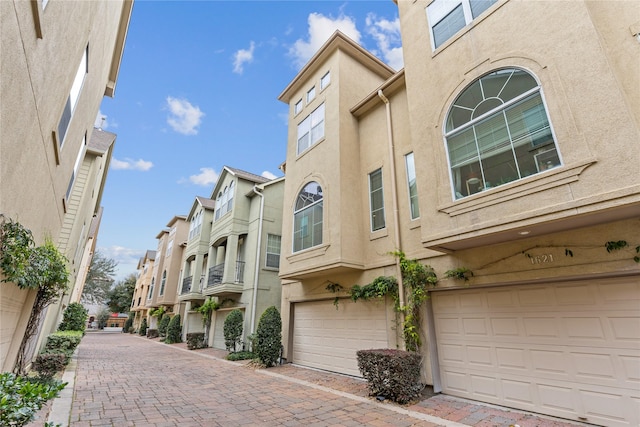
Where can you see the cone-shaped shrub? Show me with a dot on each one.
(164, 324)
(74, 318)
(174, 330)
(233, 329)
(143, 327)
(269, 337)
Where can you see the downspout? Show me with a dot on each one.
(394, 200)
(254, 297)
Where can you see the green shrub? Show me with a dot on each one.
(241, 355)
(174, 330)
(63, 342)
(21, 398)
(269, 337)
(143, 327)
(164, 323)
(233, 329)
(74, 318)
(394, 374)
(195, 340)
(128, 324)
(47, 365)
(152, 333)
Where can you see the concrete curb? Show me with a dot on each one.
(60, 412)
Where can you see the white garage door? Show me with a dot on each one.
(569, 350)
(326, 338)
(218, 331)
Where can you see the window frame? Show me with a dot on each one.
(73, 98)
(438, 11)
(76, 167)
(325, 80)
(307, 126)
(500, 135)
(414, 205)
(311, 94)
(270, 247)
(374, 210)
(163, 282)
(297, 107)
(309, 209)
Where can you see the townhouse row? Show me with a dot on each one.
(507, 149)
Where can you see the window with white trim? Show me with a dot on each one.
(447, 17)
(498, 131)
(273, 251)
(169, 249)
(195, 225)
(311, 94)
(325, 80)
(376, 199)
(311, 129)
(74, 95)
(224, 202)
(163, 282)
(153, 281)
(297, 107)
(76, 166)
(414, 208)
(307, 217)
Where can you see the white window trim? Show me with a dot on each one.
(384, 214)
(307, 126)
(311, 94)
(327, 77)
(439, 9)
(413, 166)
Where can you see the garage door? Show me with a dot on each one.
(569, 350)
(218, 331)
(326, 338)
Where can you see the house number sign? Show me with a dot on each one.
(541, 259)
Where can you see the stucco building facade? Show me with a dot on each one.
(506, 151)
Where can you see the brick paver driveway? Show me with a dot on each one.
(126, 380)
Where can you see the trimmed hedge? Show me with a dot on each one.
(143, 327)
(233, 329)
(269, 337)
(241, 355)
(152, 333)
(164, 323)
(393, 374)
(74, 318)
(174, 330)
(195, 340)
(63, 342)
(47, 365)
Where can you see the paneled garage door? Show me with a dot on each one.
(326, 338)
(218, 332)
(570, 350)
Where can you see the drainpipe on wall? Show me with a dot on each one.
(254, 297)
(394, 200)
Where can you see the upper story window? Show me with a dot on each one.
(169, 248)
(297, 107)
(311, 94)
(447, 17)
(273, 251)
(498, 131)
(311, 129)
(307, 217)
(153, 281)
(172, 231)
(376, 197)
(74, 95)
(224, 202)
(195, 226)
(163, 282)
(412, 185)
(325, 80)
(76, 166)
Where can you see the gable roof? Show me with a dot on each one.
(239, 173)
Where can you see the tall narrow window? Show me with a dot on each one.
(377, 200)
(412, 185)
(497, 131)
(447, 17)
(297, 107)
(311, 94)
(311, 129)
(307, 217)
(74, 95)
(163, 282)
(273, 251)
(153, 281)
(325, 80)
(76, 166)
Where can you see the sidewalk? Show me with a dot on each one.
(128, 380)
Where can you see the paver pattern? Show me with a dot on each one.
(127, 380)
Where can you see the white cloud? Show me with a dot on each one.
(130, 164)
(184, 118)
(388, 40)
(126, 258)
(268, 175)
(243, 56)
(320, 29)
(206, 177)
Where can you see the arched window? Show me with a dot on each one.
(307, 217)
(162, 283)
(498, 131)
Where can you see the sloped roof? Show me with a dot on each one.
(247, 175)
(100, 141)
(206, 202)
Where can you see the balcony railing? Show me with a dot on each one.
(217, 271)
(186, 284)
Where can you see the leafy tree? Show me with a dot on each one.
(174, 330)
(269, 337)
(74, 318)
(100, 278)
(102, 317)
(233, 329)
(120, 296)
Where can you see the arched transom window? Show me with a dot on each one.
(498, 131)
(307, 217)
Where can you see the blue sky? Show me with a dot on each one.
(197, 91)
